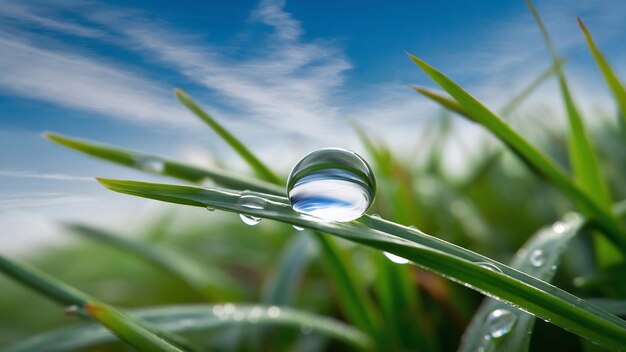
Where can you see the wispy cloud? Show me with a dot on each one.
(46, 176)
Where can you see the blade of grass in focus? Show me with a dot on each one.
(257, 165)
(538, 161)
(455, 263)
(158, 165)
(127, 329)
(211, 283)
(611, 78)
(539, 257)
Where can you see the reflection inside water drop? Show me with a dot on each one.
(490, 266)
(396, 258)
(537, 258)
(331, 184)
(499, 323)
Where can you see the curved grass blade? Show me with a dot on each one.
(199, 277)
(127, 329)
(539, 257)
(195, 318)
(587, 171)
(538, 161)
(259, 168)
(455, 263)
(158, 165)
(612, 80)
(280, 287)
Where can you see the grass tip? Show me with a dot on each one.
(582, 24)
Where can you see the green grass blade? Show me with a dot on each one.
(539, 257)
(125, 328)
(519, 98)
(615, 306)
(198, 318)
(611, 78)
(197, 276)
(158, 165)
(282, 282)
(259, 168)
(583, 159)
(455, 263)
(538, 161)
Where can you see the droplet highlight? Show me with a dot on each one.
(490, 266)
(537, 258)
(499, 323)
(396, 258)
(298, 228)
(331, 184)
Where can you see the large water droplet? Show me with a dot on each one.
(499, 323)
(251, 202)
(331, 184)
(150, 164)
(396, 258)
(537, 258)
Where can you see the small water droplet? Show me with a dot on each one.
(273, 312)
(298, 228)
(490, 266)
(396, 258)
(376, 216)
(413, 227)
(218, 310)
(553, 267)
(331, 184)
(537, 258)
(559, 227)
(255, 314)
(251, 202)
(210, 208)
(150, 164)
(229, 309)
(72, 310)
(499, 323)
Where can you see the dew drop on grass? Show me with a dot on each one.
(251, 202)
(396, 258)
(559, 227)
(298, 228)
(490, 266)
(499, 323)
(150, 164)
(331, 184)
(273, 312)
(210, 208)
(537, 258)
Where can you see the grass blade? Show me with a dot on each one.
(259, 168)
(199, 277)
(537, 160)
(158, 165)
(585, 165)
(539, 257)
(127, 329)
(195, 318)
(611, 78)
(453, 262)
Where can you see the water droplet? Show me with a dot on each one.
(218, 310)
(559, 227)
(72, 310)
(298, 228)
(331, 184)
(376, 216)
(413, 227)
(537, 258)
(255, 314)
(150, 164)
(396, 258)
(490, 266)
(273, 312)
(210, 208)
(251, 202)
(229, 309)
(499, 323)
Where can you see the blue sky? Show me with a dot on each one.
(284, 76)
